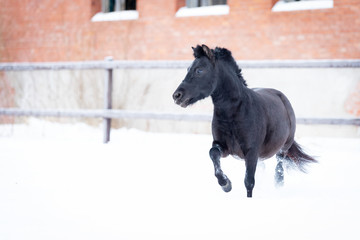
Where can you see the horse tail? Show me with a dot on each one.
(297, 155)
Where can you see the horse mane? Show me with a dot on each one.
(219, 54)
(225, 55)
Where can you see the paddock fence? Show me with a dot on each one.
(108, 65)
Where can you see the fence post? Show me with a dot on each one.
(108, 101)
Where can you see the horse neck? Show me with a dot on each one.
(229, 91)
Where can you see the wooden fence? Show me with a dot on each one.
(109, 65)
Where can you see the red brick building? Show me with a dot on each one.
(63, 30)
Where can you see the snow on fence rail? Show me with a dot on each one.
(108, 113)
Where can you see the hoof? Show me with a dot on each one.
(227, 187)
(279, 183)
(249, 193)
(279, 179)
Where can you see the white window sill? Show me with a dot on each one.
(282, 6)
(203, 11)
(115, 16)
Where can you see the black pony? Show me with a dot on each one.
(248, 123)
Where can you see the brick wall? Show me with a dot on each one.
(61, 30)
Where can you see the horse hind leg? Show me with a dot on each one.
(215, 155)
(279, 170)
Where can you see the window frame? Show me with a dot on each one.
(210, 10)
(301, 5)
(117, 15)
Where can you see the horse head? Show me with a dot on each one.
(200, 80)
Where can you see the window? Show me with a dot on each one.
(204, 3)
(117, 5)
(297, 5)
(203, 8)
(116, 10)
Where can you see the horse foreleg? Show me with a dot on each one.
(250, 162)
(215, 155)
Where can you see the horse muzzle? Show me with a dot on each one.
(180, 99)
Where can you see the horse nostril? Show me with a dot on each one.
(177, 95)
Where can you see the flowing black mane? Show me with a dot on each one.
(220, 54)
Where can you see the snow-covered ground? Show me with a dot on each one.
(59, 181)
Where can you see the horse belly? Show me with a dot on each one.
(268, 153)
(274, 143)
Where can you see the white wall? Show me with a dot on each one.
(312, 92)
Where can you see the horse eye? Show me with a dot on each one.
(198, 71)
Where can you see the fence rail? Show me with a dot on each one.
(112, 114)
(108, 113)
(349, 63)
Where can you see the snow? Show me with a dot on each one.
(203, 11)
(282, 6)
(115, 16)
(58, 181)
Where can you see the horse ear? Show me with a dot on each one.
(198, 51)
(208, 53)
